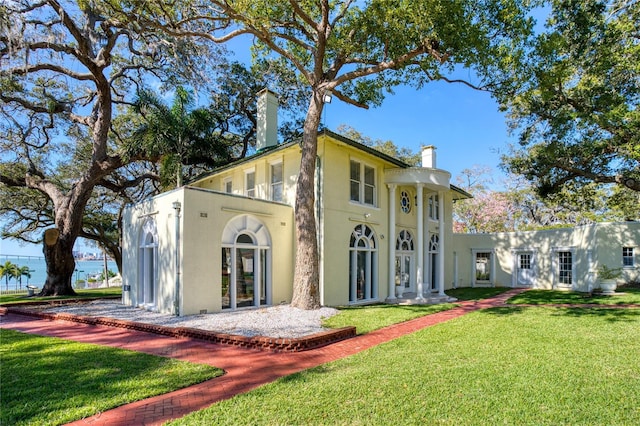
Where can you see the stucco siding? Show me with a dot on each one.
(206, 216)
(290, 159)
(203, 217)
(340, 216)
(589, 246)
(159, 210)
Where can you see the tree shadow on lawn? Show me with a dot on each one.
(624, 295)
(613, 313)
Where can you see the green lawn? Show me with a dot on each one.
(368, 318)
(88, 293)
(477, 293)
(373, 317)
(49, 381)
(545, 297)
(516, 365)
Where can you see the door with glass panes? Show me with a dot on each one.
(404, 272)
(524, 269)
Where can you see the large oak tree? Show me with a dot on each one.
(356, 51)
(65, 67)
(577, 112)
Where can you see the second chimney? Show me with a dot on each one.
(267, 132)
(429, 157)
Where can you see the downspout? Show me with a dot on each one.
(320, 226)
(176, 293)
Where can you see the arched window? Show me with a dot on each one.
(404, 242)
(147, 264)
(246, 263)
(434, 247)
(363, 265)
(404, 262)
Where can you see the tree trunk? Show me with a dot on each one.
(306, 280)
(58, 254)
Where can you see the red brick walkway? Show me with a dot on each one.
(244, 369)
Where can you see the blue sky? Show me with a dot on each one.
(465, 126)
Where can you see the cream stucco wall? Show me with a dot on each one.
(610, 238)
(261, 165)
(158, 209)
(340, 216)
(590, 245)
(204, 215)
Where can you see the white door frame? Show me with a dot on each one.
(516, 253)
(401, 256)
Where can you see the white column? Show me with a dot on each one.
(441, 243)
(419, 255)
(392, 241)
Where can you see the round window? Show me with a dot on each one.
(405, 202)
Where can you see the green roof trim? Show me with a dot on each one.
(460, 191)
(264, 151)
(271, 149)
(365, 148)
(276, 148)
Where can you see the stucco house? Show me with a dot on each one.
(226, 240)
(561, 259)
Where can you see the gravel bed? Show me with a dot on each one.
(273, 321)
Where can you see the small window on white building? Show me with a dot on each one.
(369, 185)
(483, 267)
(627, 257)
(147, 281)
(250, 183)
(228, 185)
(565, 268)
(276, 182)
(362, 183)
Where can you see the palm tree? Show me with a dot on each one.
(22, 271)
(8, 271)
(179, 133)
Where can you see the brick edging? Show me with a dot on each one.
(272, 344)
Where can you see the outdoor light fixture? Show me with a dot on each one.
(326, 98)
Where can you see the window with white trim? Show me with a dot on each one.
(147, 281)
(228, 185)
(405, 202)
(246, 264)
(363, 265)
(524, 260)
(483, 266)
(276, 182)
(627, 257)
(565, 268)
(434, 207)
(250, 183)
(362, 183)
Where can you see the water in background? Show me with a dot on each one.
(85, 269)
